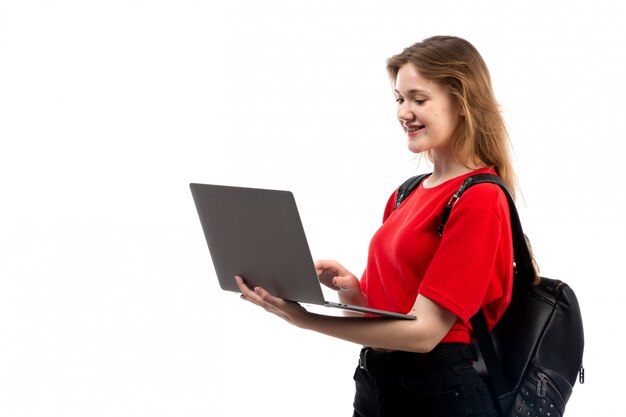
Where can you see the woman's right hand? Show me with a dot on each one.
(333, 275)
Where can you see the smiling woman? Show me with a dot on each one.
(448, 82)
(426, 110)
(425, 364)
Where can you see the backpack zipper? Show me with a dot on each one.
(542, 387)
(542, 384)
(554, 397)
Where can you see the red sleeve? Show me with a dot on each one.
(391, 205)
(469, 269)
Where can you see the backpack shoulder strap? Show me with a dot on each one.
(524, 276)
(408, 187)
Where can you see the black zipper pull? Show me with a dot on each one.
(542, 384)
(399, 200)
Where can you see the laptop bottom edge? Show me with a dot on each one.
(367, 310)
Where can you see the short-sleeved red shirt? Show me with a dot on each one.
(469, 267)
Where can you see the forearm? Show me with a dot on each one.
(419, 335)
(407, 335)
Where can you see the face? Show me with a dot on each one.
(427, 112)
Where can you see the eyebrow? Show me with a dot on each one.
(413, 91)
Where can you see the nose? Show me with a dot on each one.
(405, 112)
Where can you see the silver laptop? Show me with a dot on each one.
(258, 234)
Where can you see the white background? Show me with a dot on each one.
(108, 301)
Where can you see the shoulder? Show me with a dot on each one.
(485, 190)
(391, 205)
(485, 197)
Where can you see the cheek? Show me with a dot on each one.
(447, 118)
(439, 118)
(443, 122)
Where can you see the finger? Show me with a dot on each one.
(346, 283)
(321, 264)
(246, 292)
(339, 284)
(268, 298)
(327, 266)
(240, 282)
(242, 285)
(262, 298)
(326, 273)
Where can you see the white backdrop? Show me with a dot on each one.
(108, 108)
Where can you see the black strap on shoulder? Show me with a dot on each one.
(524, 276)
(408, 187)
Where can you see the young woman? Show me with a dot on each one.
(423, 367)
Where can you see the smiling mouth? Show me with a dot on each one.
(413, 129)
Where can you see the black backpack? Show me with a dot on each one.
(532, 357)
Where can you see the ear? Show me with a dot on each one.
(458, 103)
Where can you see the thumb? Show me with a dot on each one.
(346, 283)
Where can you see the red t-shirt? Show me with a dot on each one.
(469, 267)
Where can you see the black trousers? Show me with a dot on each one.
(441, 383)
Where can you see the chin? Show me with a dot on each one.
(415, 148)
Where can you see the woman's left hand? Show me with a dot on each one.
(289, 311)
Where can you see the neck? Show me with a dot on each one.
(445, 169)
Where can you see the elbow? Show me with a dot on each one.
(424, 345)
(427, 346)
(425, 341)
(425, 334)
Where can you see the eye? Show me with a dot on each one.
(399, 100)
(420, 102)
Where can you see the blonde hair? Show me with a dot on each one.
(481, 137)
